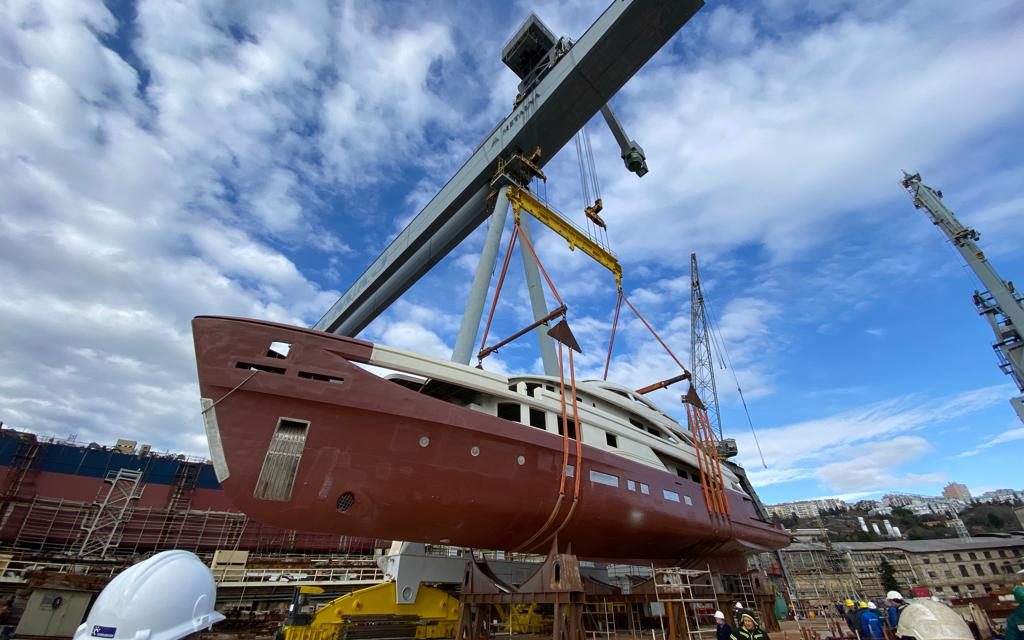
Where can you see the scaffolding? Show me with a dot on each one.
(694, 590)
(113, 507)
(57, 527)
(822, 577)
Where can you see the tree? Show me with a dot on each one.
(888, 575)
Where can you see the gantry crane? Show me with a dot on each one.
(564, 86)
(999, 303)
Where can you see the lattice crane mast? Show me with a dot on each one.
(1000, 303)
(702, 361)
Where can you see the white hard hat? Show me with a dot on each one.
(872, 605)
(166, 597)
(738, 605)
(719, 614)
(894, 595)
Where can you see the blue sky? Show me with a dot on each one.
(161, 160)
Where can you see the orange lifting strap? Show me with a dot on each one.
(711, 480)
(563, 336)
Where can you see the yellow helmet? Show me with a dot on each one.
(862, 605)
(848, 603)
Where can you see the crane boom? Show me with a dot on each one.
(584, 79)
(1000, 304)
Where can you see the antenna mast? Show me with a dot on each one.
(702, 364)
(1001, 305)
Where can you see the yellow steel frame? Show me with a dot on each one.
(438, 612)
(523, 200)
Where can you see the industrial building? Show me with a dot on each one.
(824, 573)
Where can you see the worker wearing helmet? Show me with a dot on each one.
(722, 629)
(738, 611)
(894, 606)
(167, 597)
(1015, 621)
(748, 629)
(850, 614)
(870, 623)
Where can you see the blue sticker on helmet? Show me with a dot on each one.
(103, 632)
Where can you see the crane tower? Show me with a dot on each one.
(702, 363)
(1000, 303)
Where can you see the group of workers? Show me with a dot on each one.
(744, 625)
(865, 619)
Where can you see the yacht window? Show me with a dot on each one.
(513, 387)
(688, 500)
(570, 471)
(630, 485)
(509, 411)
(604, 478)
(549, 388)
(611, 439)
(644, 489)
(671, 496)
(537, 418)
(681, 473)
(530, 386)
(572, 427)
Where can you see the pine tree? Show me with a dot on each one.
(888, 574)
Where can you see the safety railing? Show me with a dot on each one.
(272, 576)
(17, 571)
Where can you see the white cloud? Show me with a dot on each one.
(776, 145)
(846, 450)
(194, 175)
(1010, 435)
(247, 158)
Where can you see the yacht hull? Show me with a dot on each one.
(315, 442)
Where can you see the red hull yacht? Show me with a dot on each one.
(305, 434)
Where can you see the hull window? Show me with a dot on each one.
(572, 427)
(688, 500)
(509, 411)
(604, 478)
(611, 439)
(277, 477)
(308, 375)
(630, 485)
(538, 419)
(279, 350)
(644, 489)
(671, 496)
(266, 368)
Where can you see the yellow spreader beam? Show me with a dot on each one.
(523, 200)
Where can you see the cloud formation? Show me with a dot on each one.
(202, 157)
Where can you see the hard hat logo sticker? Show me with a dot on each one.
(103, 632)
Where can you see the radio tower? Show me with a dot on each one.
(702, 363)
(1000, 304)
